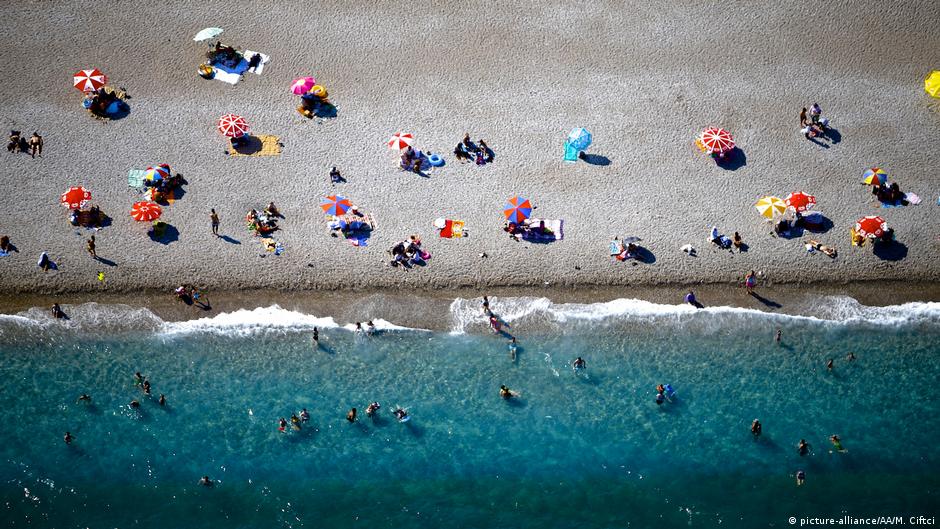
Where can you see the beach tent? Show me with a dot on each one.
(932, 84)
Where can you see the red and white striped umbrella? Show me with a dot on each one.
(716, 140)
(146, 211)
(800, 201)
(89, 80)
(75, 197)
(401, 140)
(871, 226)
(233, 125)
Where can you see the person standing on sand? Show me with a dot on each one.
(750, 281)
(90, 245)
(803, 118)
(35, 145)
(214, 218)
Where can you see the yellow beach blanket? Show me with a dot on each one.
(259, 145)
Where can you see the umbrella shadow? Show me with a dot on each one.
(595, 159)
(644, 255)
(733, 160)
(325, 111)
(890, 251)
(248, 144)
(824, 225)
(170, 234)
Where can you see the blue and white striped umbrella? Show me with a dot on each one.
(580, 139)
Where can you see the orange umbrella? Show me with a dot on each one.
(146, 211)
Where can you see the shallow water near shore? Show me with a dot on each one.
(573, 450)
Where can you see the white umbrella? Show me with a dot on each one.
(208, 33)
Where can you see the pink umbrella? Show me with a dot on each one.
(302, 85)
(89, 80)
(401, 140)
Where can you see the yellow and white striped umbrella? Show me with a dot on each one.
(770, 207)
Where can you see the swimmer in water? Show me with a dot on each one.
(829, 365)
(836, 443)
(372, 408)
(295, 422)
(282, 424)
(351, 416)
(138, 379)
(205, 481)
(579, 363)
(146, 387)
(68, 438)
(512, 349)
(370, 328)
(486, 305)
(84, 397)
(660, 398)
(316, 337)
(505, 392)
(660, 388)
(135, 404)
(401, 415)
(778, 335)
(800, 477)
(803, 447)
(756, 428)
(304, 415)
(359, 327)
(162, 399)
(850, 357)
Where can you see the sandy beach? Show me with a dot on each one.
(644, 79)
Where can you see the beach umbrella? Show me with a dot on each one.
(158, 173)
(302, 85)
(233, 126)
(401, 140)
(208, 33)
(146, 211)
(335, 205)
(89, 80)
(871, 226)
(517, 210)
(75, 197)
(716, 140)
(579, 139)
(800, 201)
(875, 176)
(932, 84)
(770, 207)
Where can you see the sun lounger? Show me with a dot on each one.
(543, 230)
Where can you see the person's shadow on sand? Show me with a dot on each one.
(766, 302)
(595, 159)
(229, 240)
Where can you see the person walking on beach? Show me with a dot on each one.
(750, 281)
(90, 246)
(214, 218)
(35, 145)
(803, 118)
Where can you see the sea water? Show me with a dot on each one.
(573, 449)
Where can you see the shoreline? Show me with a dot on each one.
(430, 309)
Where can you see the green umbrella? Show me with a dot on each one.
(208, 33)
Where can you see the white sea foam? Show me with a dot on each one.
(833, 309)
(244, 321)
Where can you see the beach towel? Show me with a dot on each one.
(4, 254)
(453, 229)
(225, 76)
(270, 245)
(912, 198)
(259, 145)
(553, 230)
(571, 154)
(135, 178)
(258, 69)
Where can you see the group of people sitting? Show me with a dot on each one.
(814, 124)
(313, 101)
(105, 102)
(408, 252)
(160, 188)
(264, 222)
(92, 218)
(526, 228)
(189, 294)
(859, 240)
(227, 56)
(724, 242)
(479, 152)
(890, 194)
(622, 252)
(18, 144)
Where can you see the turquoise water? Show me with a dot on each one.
(591, 450)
